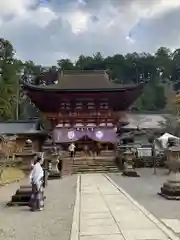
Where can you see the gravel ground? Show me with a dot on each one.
(144, 190)
(54, 223)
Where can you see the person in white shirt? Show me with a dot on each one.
(36, 179)
(72, 148)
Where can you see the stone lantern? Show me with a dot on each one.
(129, 170)
(171, 188)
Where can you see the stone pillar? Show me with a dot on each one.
(66, 167)
(54, 172)
(45, 168)
(129, 170)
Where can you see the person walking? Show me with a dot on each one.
(72, 148)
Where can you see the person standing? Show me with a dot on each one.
(72, 148)
(59, 163)
(36, 179)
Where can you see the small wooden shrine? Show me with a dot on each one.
(28, 139)
(29, 135)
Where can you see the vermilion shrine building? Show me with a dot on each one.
(83, 106)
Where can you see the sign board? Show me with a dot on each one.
(144, 152)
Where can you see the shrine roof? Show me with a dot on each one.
(79, 81)
(84, 84)
(145, 121)
(22, 127)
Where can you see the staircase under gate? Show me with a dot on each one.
(86, 164)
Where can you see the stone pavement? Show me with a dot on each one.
(54, 223)
(144, 191)
(102, 211)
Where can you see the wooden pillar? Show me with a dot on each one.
(20, 142)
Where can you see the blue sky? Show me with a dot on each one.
(59, 29)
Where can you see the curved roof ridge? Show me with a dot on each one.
(82, 72)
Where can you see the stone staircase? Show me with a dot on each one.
(103, 163)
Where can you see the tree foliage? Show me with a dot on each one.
(159, 69)
(171, 125)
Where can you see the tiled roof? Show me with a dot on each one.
(86, 80)
(119, 96)
(81, 80)
(19, 127)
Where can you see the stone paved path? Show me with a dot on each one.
(144, 190)
(54, 223)
(104, 212)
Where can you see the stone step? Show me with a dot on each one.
(100, 167)
(18, 204)
(94, 161)
(25, 187)
(16, 201)
(21, 198)
(81, 154)
(95, 167)
(23, 192)
(97, 164)
(94, 170)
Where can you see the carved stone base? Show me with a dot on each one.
(130, 172)
(21, 197)
(168, 197)
(54, 175)
(171, 189)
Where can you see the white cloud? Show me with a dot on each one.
(78, 21)
(163, 6)
(47, 32)
(41, 16)
(14, 7)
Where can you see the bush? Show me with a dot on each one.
(11, 174)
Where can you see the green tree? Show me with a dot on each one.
(164, 62)
(8, 83)
(65, 64)
(159, 69)
(84, 63)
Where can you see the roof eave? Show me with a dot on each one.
(111, 89)
(26, 133)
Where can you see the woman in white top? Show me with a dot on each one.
(36, 179)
